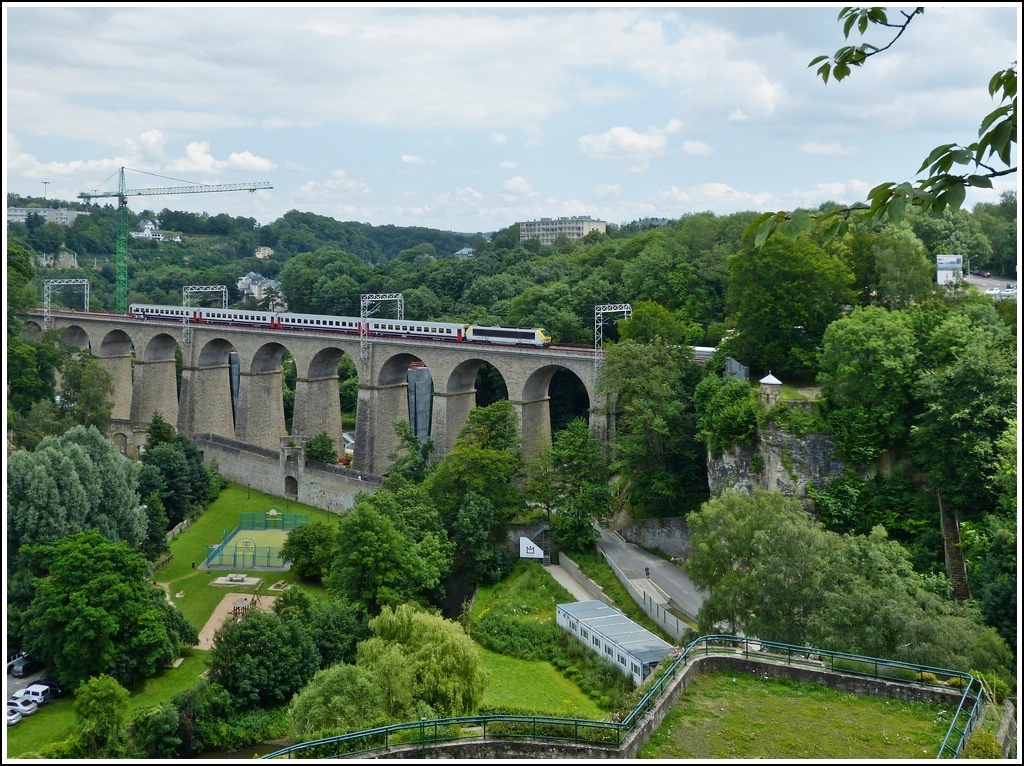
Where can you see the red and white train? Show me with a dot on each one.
(407, 328)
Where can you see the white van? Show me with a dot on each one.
(36, 693)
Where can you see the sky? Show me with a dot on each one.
(471, 117)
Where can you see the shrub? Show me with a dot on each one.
(983, 744)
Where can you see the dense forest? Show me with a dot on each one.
(918, 383)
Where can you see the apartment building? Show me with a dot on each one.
(547, 230)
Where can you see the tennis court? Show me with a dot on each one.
(255, 543)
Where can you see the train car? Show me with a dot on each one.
(408, 328)
(291, 320)
(519, 336)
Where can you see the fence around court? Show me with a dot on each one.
(236, 550)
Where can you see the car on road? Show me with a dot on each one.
(983, 273)
(23, 706)
(25, 666)
(1010, 291)
(13, 716)
(993, 291)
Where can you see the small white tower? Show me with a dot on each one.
(770, 388)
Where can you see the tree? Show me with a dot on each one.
(985, 159)
(390, 549)
(771, 571)
(868, 365)
(262, 660)
(154, 732)
(86, 392)
(727, 413)
(94, 609)
(449, 675)
(101, 710)
(655, 447)
(320, 447)
(339, 699)
(72, 482)
(779, 322)
(580, 476)
(651, 321)
(310, 549)
(410, 459)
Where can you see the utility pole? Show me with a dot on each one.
(45, 184)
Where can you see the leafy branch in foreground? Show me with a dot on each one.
(942, 187)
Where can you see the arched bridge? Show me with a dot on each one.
(141, 357)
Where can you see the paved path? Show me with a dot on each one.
(565, 580)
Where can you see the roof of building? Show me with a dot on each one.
(618, 629)
(770, 380)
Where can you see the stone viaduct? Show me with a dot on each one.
(140, 356)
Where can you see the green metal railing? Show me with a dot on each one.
(611, 734)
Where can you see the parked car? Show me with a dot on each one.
(13, 716)
(53, 685)
(993, 291)
(25, 666)
(25, 707)
(37, 693)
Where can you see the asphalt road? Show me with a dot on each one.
(680, 592)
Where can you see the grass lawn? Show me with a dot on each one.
(725, 716)
(201, 597)
(535, 686)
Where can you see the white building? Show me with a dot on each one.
(631, 648)
(59, 216)
(547, 230)
(149, 230)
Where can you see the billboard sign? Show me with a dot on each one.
(529, 549)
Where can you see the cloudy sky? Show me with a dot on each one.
(471, 117)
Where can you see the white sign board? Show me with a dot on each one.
(529, 549)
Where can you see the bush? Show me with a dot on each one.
(983, 744)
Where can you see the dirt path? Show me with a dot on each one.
(224, 611)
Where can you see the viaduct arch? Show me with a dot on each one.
(140, 355)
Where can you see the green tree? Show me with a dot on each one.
(320, 447)
(390, 549)
(339, 699)
(779, 322)
(86, 392)
(154, 732)
(262, 660)
(310, 549)
(94, 609)
(985, 159)
(446, 664)
(727, 413)
(72, 482)
(868, 365)
(905, 273)
(101, 712)
(655, 447)
(410, 459)
(580, 477)
(651, 322)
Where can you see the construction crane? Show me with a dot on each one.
(122, 194)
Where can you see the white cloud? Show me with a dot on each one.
(415, 159)
(507, 165)
(834, 149)
(623, 142)
(697, 149)
(498, 138)
(249, 161)
(517, 185)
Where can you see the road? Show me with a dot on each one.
(680, 593)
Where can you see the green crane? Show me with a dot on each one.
(122, 194)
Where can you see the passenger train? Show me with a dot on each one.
(406, 328)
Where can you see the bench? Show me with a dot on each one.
(236, 578)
